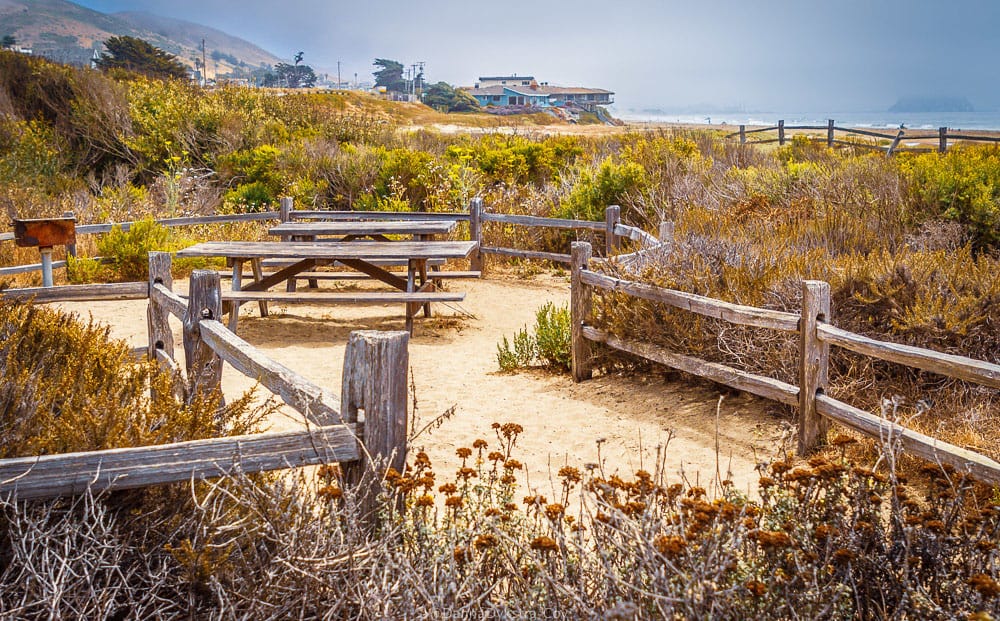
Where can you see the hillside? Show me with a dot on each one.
(67, 32)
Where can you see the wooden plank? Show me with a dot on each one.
(581, 362)
(963, 460)
(449, 275)
(710, 307)
(80, 293)
(865, 132)
(761, 386)
(636, 234)
(968, 369)
(186, 221)
(50, 476)
(373, 227)
(344, 297)
(140, 353)
(814, 364)
(526, 254)
(375, 383)
(401, 250)
(378, 215)
(319, 406)
(170, 301)
(551, 223)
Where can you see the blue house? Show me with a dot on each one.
(526, 91)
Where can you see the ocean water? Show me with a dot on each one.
(875, 120)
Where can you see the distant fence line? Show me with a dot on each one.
(944, 138)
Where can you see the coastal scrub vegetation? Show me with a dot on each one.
(909, 245)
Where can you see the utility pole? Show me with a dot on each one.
(338, 75)
(204, 67)
(420, 77)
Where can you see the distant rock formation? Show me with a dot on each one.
(932, 104)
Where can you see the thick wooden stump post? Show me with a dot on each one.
(204, 367)
(374, 394)
(781, 133)
(942, 139)
(829, 133)
(612, 217)
(814, 364)
(580, 303)
(160, 335)
(476, 233)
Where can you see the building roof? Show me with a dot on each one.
(505, 77)
(533, 91)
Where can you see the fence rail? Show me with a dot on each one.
(80, 293)
(815, 338)
(943, 136)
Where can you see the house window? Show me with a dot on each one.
(525, 83)
(495, 97)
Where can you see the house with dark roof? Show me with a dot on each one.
(526, 91)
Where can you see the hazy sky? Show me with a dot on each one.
(770, 54)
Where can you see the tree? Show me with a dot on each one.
(443, 95)
(390, 75)
(292, 76)
(141, 56)
(8, 41)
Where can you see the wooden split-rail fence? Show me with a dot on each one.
(816, 336)
(944, 138)
(364, 430)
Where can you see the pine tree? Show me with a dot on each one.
(137, 55)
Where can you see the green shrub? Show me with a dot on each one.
(548, 342)
(125, 254)
(962, 185)
(610, 184)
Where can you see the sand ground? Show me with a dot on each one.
(453, 363)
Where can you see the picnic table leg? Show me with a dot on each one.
(423, 280)
(258, 275)
(291, 284)
(234, 306)
(313, 283)
(410, 307)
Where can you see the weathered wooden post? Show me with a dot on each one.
(814, 363)
(942, 139)
(285, 213)
(476, 233)
(895, 143)
(71, 245)
(161, 337)
(612, 217)
(580, 306)
(781, 133)
(743, 134)
(204, 366)
(829, 134)
(374, 395)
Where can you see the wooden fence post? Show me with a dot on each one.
(374, 394)
(70, 248)
(204, 366)
(612, 217)
(814, 362)
(781, 133)
(743, 134)
(580, 305)
(476, 233)
(285, 213)
(942, 139)
(895, 143)
(157, 317)
(829, 133)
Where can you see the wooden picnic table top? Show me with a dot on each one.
(361, 250)
(371, 227)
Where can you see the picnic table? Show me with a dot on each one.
(415, 290)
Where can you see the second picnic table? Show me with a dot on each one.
(360, 256)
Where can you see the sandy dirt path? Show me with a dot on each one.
(453, 361)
